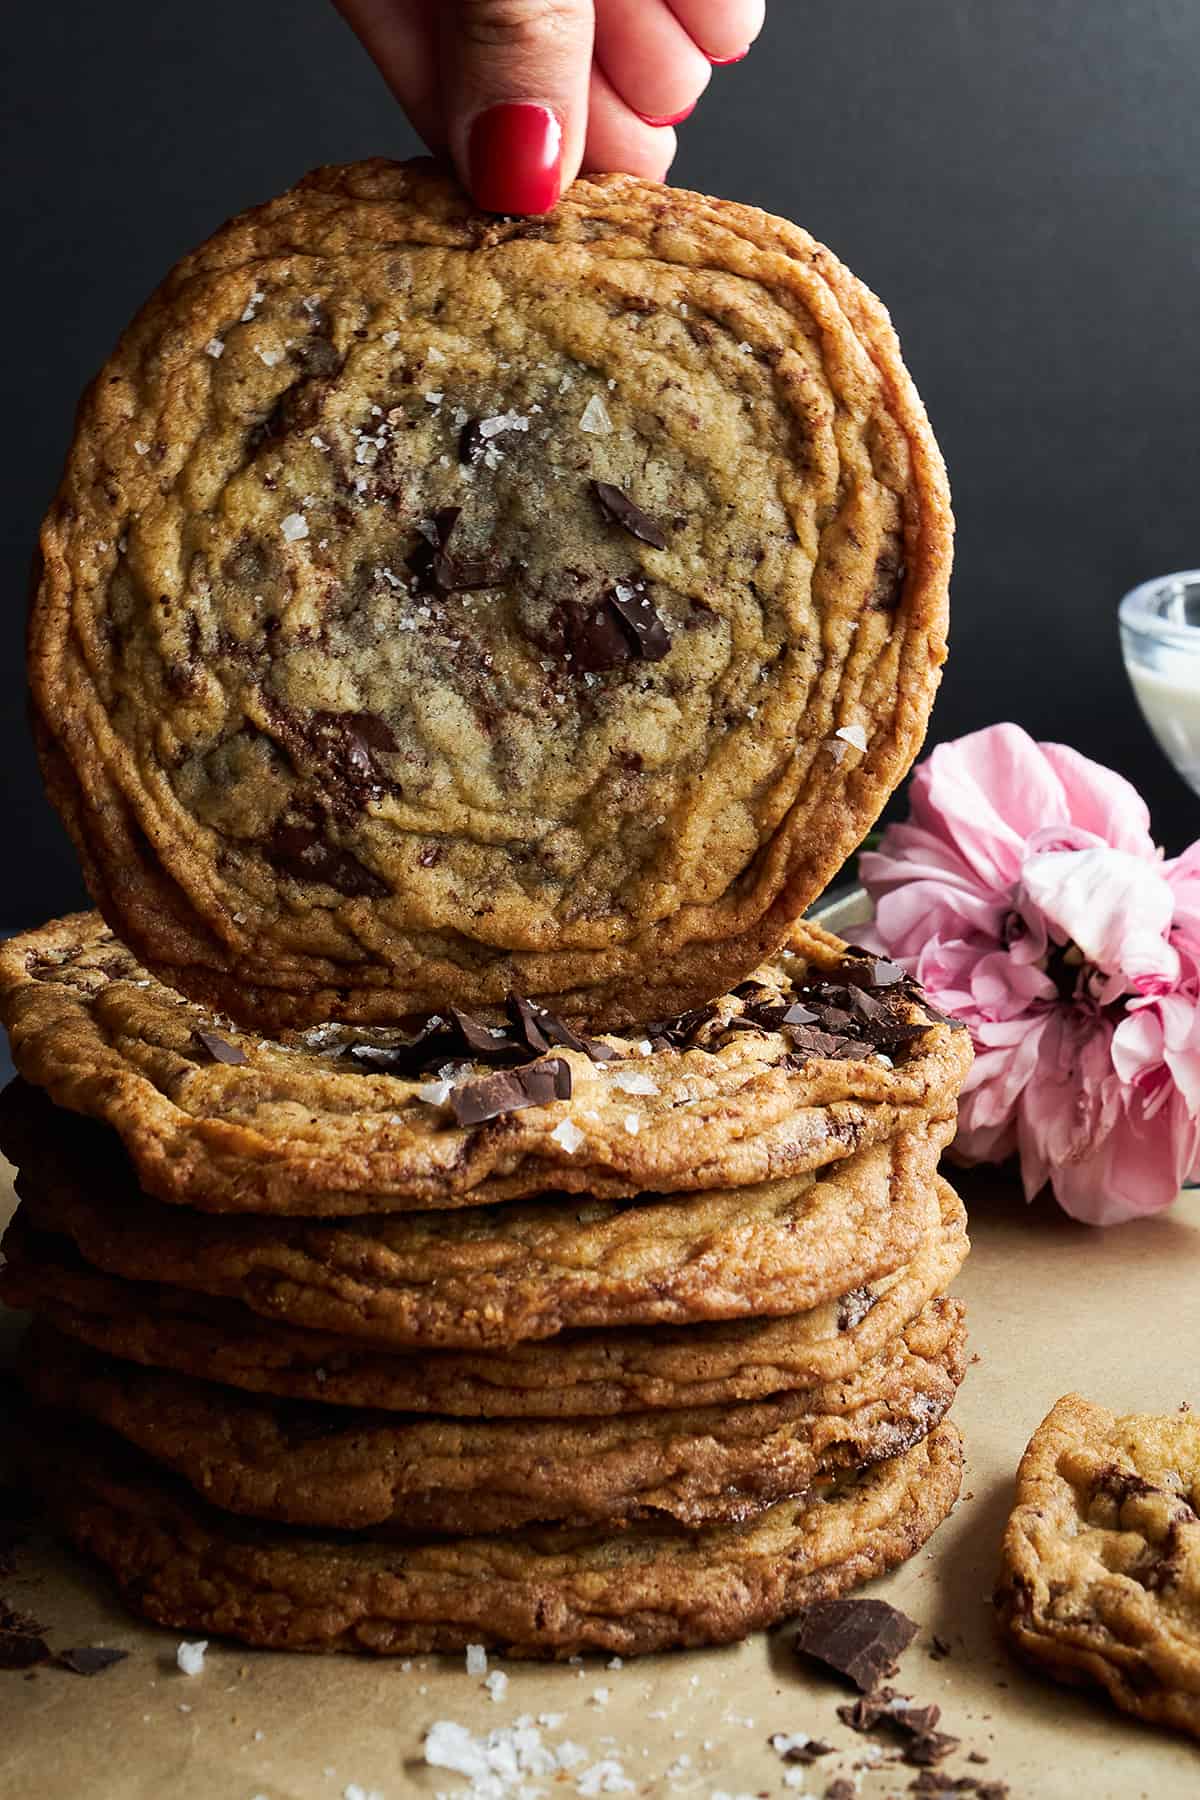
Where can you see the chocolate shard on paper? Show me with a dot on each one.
(799, 1748)
(625, 512)
(90, 1659)
(495, 1096)
(22, 1645)
(218, 1049)
(860, 1640)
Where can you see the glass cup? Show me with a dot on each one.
(1160, 640)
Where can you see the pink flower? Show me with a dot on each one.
(1026, 893)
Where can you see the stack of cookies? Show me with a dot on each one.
(460, 1203)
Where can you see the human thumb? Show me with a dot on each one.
(515, 76)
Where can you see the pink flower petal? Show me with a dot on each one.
(1101, 801)
(1115, 907)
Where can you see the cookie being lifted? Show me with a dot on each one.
(1101, 1558)
(438, 607)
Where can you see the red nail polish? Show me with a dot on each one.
(673, 119)
(515, 158)
(723, 62)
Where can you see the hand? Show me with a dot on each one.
(525, 93)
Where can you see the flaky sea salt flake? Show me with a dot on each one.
(568, 1135)
(294, 526)
(595, 418)
(215, 348)
(852, 734)
(630, 1082)
(189, 1658)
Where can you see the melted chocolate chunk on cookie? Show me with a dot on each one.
(459, 1036)
(348, 743)
(623, 628)
(891, 572)
(543, 1030)
(593, 637)
(1120, 1485)
(218, 1049)
(623, 511)
(436, 571)
(512, 1091)
(471, 444)
(633, 606)
(301, 852)
(684, 1031)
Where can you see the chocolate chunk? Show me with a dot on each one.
(891, 572)
(22, 1645)
(939, 1648)
(858, 1639)
(595, 640)
(929, 1747)
(808, 1042)
(495, 1096)
(806, 1753)
(217, 1048)
(854, 1307)
(623, 511)
(471, 444)
(841, 1789)
(90, 1660)
(635, 608)
(347, 743)
(871, 971)
(490, 1042)
(439, 572)
(301, 852)
(682, 1032)
(925, 1745)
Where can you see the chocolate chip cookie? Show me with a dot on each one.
(576, 1374)
(503, 1274)
(825, 1051)
(545, 1591)
(329, 1466)
(1098, 1581)
(438, 607)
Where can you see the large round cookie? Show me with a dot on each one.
(576, 1374)
(436, 607)
(548, 1591)
(826, 1051)
(502, 1274)
(329, 1466)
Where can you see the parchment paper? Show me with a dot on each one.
(1053, 1306)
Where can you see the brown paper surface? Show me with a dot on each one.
(1053, 1306)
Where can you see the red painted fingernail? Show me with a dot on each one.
(515, 158)
(673, 119)
(723, 62)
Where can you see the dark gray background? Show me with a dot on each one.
(1019, 180)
